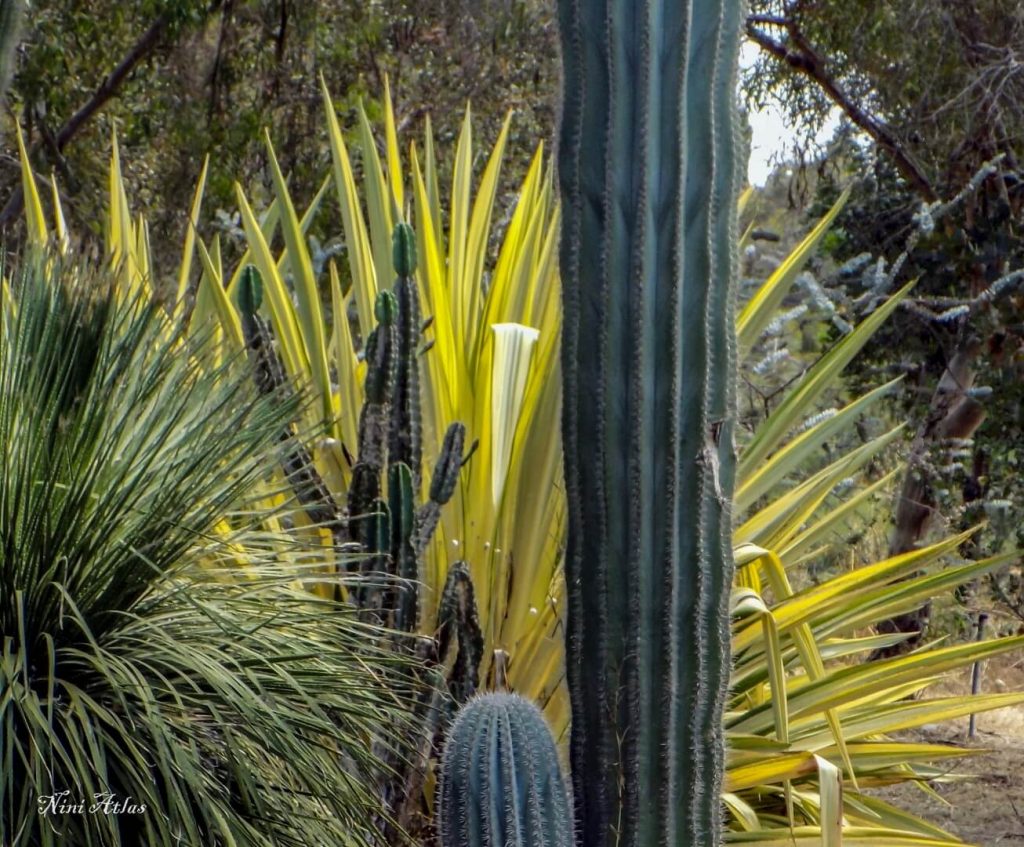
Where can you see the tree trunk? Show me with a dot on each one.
(953, 414)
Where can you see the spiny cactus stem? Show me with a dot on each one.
(458, 622)
(442, 486)
(501, 783)
(648, 169)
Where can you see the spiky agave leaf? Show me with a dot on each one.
(801, 694)
(235, 710)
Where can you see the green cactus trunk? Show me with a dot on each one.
(649, 169)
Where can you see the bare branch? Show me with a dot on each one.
(142, 48)
(807, 61)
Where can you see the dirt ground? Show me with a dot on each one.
(987, 811)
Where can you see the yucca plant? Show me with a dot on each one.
(165, 676)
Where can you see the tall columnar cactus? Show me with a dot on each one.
(648, 166)
(501, 784)
(405, 431)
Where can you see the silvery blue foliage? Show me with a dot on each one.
(996, 508)
(924, 219)
(819, 298)
(229, 224)
(769, 362)
(321, 255)
(844, 485)
(779, 323)
(814, 420)
(854, 266)
(1001, 286)
(953, 314)
(840, 323)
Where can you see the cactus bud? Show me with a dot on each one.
(250, 291)
(385, 309)
(403, 250)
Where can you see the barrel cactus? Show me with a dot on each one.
(649, 169)
(501, 784)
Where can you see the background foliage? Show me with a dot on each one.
(214, 73)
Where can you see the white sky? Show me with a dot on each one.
(769, 130)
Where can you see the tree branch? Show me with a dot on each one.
(767, 20)
(806, 60)
(142, 48)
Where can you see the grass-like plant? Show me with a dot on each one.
(209, 703)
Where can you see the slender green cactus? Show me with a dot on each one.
(405, 432)
(457, 621)
(368, 514)
(442, 485)
(269, 376)
(648, 170)
(406, 565)
(501, 784)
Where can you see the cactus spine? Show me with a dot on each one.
(501, 785)
(648, 169)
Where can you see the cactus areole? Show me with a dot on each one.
(649, 171)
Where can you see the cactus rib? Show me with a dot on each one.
(648, 174)
(501, 784)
